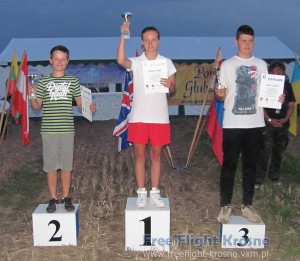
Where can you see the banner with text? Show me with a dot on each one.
(192, 81)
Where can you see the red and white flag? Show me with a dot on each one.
(21, 99)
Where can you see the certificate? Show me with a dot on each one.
(271, 87)
(153, 72)
(86, 97)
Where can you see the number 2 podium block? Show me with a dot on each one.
(148, 228)
(60, 228)
(239, 232)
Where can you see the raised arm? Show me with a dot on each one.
(121, 59)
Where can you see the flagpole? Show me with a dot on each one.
(2, 116)
(196, 134)
(5, 100)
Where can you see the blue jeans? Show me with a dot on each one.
(246, 142)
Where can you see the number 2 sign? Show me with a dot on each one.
(60, 228)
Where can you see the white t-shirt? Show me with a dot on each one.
(241, 77)
(148, 108)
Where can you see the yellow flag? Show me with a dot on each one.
(296, 88)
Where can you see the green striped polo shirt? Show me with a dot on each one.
(57, 95)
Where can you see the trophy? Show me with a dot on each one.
(126, 16)
(32, 81)
(218, 84)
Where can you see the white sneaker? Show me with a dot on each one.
(142, 198)
(155, 198)
(225, 214)
(249, 212)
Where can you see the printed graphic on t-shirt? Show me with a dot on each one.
(58, 91)
(246, 89)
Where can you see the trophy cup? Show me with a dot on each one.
(126, 16)
(32, 81)
(218, 84)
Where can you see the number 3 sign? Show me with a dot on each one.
(241, 233)
(55, 229)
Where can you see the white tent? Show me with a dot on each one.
(102, 50)
(99, 49)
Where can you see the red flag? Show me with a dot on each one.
(21, 99)
(215, 117)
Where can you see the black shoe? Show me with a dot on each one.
(67, 202)
(52, 205)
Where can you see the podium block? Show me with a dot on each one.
(239, 232)
(60, 228)
(147, 228)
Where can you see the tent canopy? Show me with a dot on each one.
(104, 49)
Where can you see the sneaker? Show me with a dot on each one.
(224, 215)
(52, 205)
(142, 198)
(249, 212)
(155, 198)
(67, 202)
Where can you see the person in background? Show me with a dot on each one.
(55, 93)
(277, 131)
(149, 118)
(243, 123)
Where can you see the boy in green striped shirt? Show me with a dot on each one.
(55, 93)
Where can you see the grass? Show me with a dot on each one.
(279, 208)
(103, 179)
(21, 189)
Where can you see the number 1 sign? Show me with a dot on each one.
(147, 228)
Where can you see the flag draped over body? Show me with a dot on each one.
(215, 116)
(20, 101)
(120, 130)
(296, 88)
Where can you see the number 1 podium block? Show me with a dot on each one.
(239, 232)
(147, 228)
(60, 228)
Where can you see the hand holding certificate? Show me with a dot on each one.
(153, 72)
(86, 97)
(271, 87)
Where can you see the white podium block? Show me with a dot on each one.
(239, 232)
(147, 228)
(60, 228)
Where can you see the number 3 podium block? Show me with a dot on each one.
(147, 228)
(239, 232)
(60, 228)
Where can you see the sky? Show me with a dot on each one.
(199, 18)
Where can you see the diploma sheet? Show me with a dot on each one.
(271, 87)
(153, 71)
(86, 96)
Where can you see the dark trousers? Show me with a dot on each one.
(269, 162)
(236, 142)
